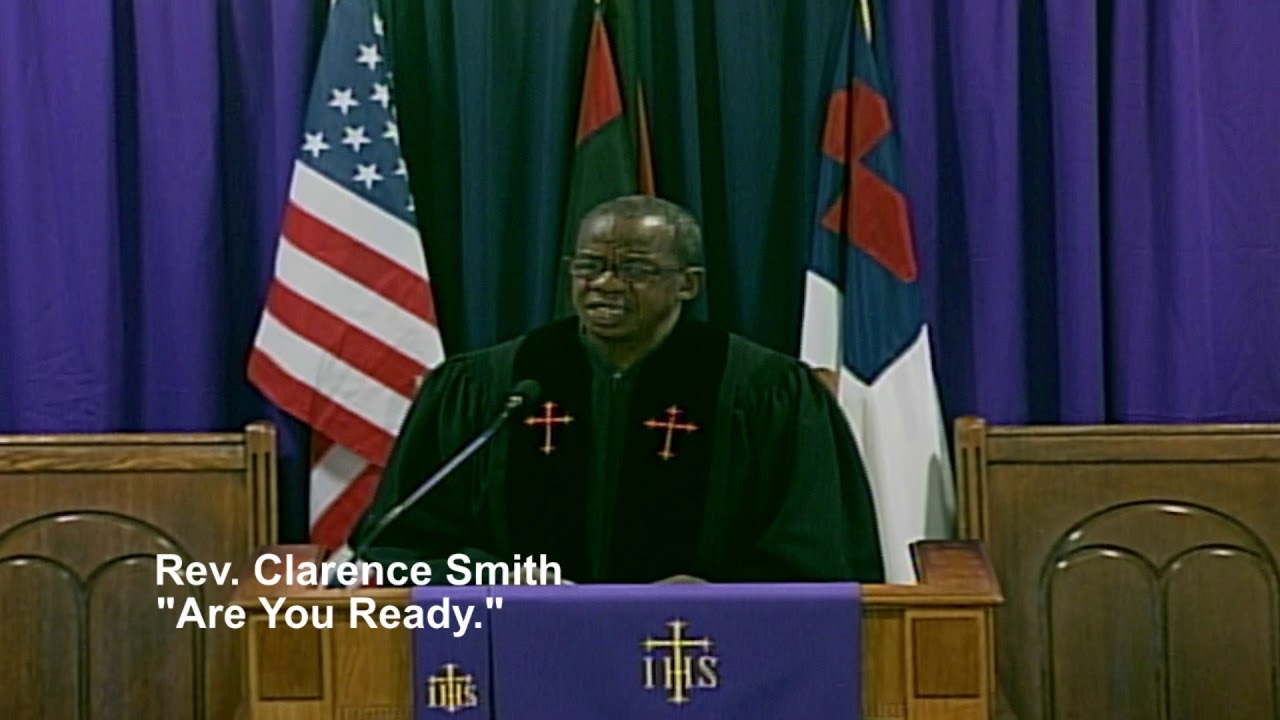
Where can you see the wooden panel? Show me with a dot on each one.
(40, 664)
(282, 658)
(1217, 663)
(1096, 598)
(374, 713)
(884, 688)
(140, 665)
(81, 524)
(289, 666)
(1138, 565)
(372, 665)
(1132, 444)
(120, 458)
(969, 663)
(940, 646)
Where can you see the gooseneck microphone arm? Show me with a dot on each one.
(525, 392)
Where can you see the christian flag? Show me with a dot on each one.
(862, 317)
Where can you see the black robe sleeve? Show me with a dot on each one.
(812, 517)
(453, 405)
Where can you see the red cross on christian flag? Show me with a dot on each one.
(547, 419)
(670, 425)
(878, 223)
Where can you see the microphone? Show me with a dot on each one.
(524, 393)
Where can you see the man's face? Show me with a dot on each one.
(628, 281)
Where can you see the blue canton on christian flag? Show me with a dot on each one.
(862, 316)
(349, 326)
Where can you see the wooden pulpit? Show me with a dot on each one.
(927, 648)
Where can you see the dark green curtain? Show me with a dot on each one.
(736, 94)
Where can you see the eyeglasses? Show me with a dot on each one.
(630, 271)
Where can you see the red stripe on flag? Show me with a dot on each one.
(302, 401)
(333, 527)
(357, 348)
(357, 261)
(319, 446)
(601, 98)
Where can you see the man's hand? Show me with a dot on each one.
(681, 580)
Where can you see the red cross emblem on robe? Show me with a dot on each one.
(670, 426)
(548, 420)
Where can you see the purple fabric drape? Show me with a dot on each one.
(1092, 187)
(1093, 192)
(143, 169)
(144, 156)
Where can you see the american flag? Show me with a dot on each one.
(349, 326)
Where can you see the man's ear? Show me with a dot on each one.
(690, 283)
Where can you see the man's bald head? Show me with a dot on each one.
(685, 233)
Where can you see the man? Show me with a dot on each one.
(659, 446)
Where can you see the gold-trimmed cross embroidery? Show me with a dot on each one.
(547, 419)
(670, 425)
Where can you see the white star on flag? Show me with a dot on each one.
(377, 24)
(369, 56)
(367, 174)
(381, 94)
(392, 132)
(315, 144)
(355, 137)
(344, 100)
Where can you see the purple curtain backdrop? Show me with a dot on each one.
(143, 167)
(1093, 187)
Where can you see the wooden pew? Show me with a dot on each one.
(927, 650)
(82, 519)
(1138, 565)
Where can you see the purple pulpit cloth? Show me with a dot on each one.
(451, 654)
(747, 652)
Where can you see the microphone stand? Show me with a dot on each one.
(513, 402)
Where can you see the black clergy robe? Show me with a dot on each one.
(713, 457)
